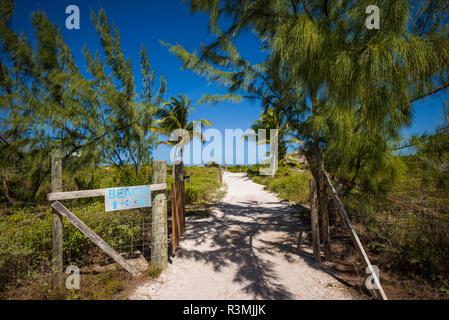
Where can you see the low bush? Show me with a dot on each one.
(409, 241)
(203, 186)
(26, 232)
(26, 238)
(289, 183)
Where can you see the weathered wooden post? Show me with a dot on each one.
(179, 176)
(324, 216)
(57, 226)
(159, 229)
(179, 171)
(314, 220)
(220, 175)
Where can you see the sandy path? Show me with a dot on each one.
(248, 249)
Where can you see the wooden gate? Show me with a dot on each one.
(178, 213)
(158, 225)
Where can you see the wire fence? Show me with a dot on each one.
(407, 229)
(26, 239)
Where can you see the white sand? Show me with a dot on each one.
(248, 249)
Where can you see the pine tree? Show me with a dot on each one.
(47, 103)
(125, 117)
(21, 146)
(340, 81)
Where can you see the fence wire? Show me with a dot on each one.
(409, 229)
(26, 239)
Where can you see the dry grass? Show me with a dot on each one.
(348, 265)
(97, 282)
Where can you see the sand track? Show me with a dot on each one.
(248, 249)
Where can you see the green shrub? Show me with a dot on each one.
(290, 184)
(127, 176)
(26, 238)
(211, 164)
(238, 168)
(203, 186)
(414, 242)
(195, 194)
(294, 188)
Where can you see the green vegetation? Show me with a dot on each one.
(291, 184)
(26, 230)
(47, 103)
(26, 238)
(339, 94)
(344, 91)
(153, 272)
(406, 230)
(203, 186)
(411, 235)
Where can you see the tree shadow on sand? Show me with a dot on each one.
(233, 237)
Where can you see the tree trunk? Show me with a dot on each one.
(322, 189)
(6, 190)
(324, 214)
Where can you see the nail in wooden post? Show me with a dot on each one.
(57, 226)
(314, 220)
(159, 229)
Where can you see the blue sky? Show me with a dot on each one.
(147, 22)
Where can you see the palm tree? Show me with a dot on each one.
(273, 118)
(174, 116)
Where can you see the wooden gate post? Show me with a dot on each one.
(159, 229)
(220, 175)
(179, 171)
(314, 221)
(57, 226)
(179, 176)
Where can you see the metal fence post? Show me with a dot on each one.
(57, 225)
(159, 228)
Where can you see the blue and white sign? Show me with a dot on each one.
(127, 198)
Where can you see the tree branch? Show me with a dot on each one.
(307, 10)
(429, 93)
(4, 139)
(403, 147)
